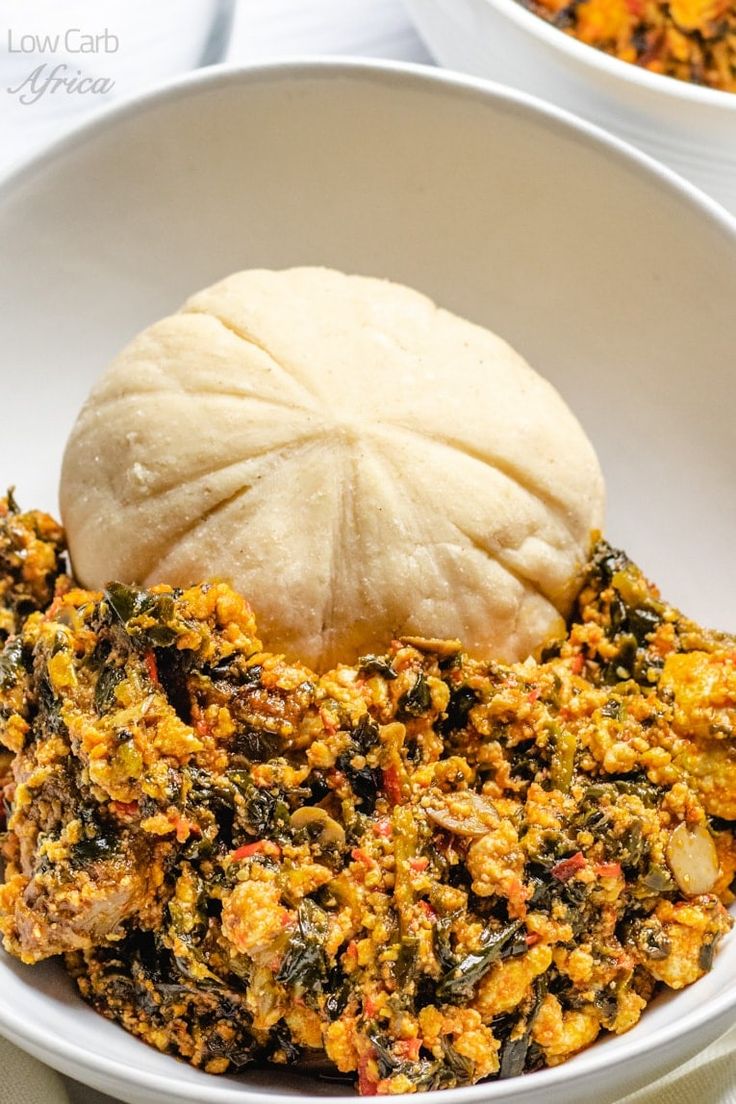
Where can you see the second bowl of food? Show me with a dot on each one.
(341, 749)
(613, 64)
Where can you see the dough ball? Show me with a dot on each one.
(357, 462)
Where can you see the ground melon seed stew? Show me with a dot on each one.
(691, 40)
(428, 869)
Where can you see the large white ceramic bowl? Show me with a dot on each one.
(690, 128)
(506, 211)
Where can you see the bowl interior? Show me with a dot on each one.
(612, 279)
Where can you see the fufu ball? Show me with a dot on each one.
(356, 461)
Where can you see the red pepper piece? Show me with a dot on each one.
(566, 868)
(608, 870)
(151, 666)
(259, 847)
(366, 1084)
(392, 784)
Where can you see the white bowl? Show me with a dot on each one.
(690, 128)
(507, 211)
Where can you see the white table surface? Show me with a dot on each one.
(261, 29)
(147, 51)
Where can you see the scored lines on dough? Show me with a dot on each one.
(249, 339)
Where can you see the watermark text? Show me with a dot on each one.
(49, 78)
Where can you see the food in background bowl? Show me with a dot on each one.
(686, 39)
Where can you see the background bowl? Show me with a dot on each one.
(504, 210)
(690, 128)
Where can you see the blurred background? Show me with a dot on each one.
(105, 50)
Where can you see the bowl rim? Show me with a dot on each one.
(64, 1053)
(592, 58)
(382, 68)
